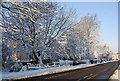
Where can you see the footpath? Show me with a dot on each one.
(116, 75)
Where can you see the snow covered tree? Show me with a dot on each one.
(89, 27)
(104, 52)
(71, 46)
(82, 39)
(33, 25)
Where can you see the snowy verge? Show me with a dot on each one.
(34, 73)
(115, 75)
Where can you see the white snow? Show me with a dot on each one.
(32, 73)
(116, 75)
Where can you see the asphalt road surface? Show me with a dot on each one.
(97, 72)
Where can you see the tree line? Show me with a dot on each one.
(40, 30)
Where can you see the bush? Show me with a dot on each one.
(16, 67)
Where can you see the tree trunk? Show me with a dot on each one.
(40, 59)
(35, 56)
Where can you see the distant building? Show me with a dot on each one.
(116, 56)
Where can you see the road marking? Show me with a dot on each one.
(85, 77)
(89, 77)
(84, 73)
(66, 73)
(98, 73)
(91, 74)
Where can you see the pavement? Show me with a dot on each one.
(116, 75)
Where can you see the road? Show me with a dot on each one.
(84, 74)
